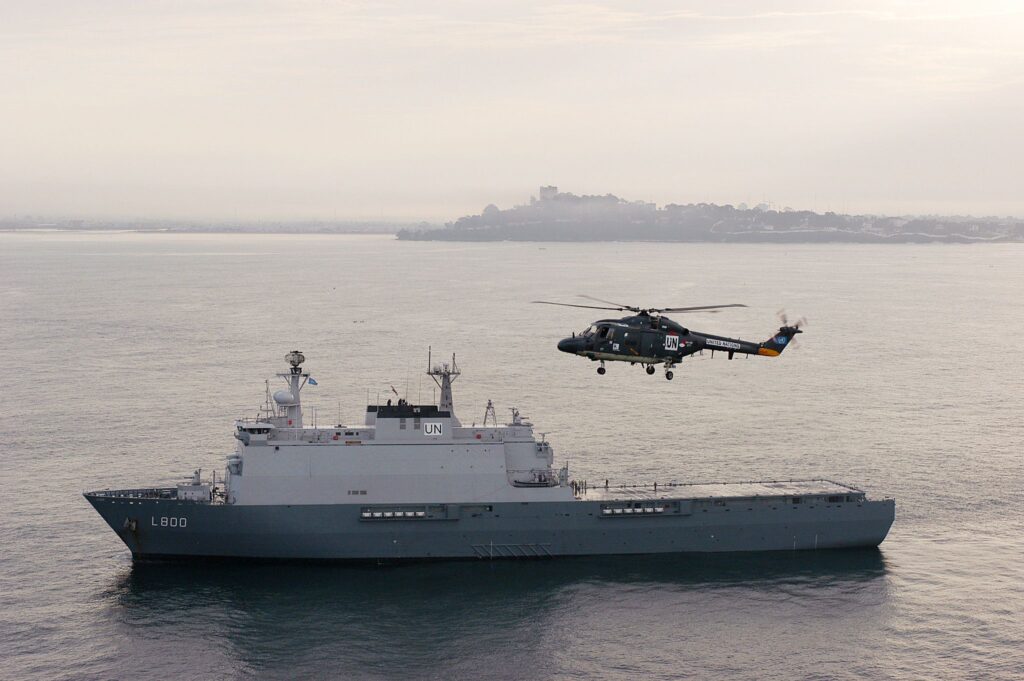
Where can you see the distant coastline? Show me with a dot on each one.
(30, 224)
(566, 217)
(555, 216)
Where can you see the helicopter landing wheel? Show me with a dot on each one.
(668, 375)
(650, 369)
(601, 368)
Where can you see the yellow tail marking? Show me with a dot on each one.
(767, 352)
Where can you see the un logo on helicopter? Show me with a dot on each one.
(671, 342)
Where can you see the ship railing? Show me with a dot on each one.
(314, 435)
(168, 493)
(275, 421)
(673, 483)
(262, 417)
(144, 493)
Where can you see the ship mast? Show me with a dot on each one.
(289, 399)
(444, 374)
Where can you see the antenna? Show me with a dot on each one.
(489, 415)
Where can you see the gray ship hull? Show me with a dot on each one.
(172, 529)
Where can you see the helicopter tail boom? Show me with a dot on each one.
(774, 346)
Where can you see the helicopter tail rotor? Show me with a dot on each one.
(784, 318)
(784, 338)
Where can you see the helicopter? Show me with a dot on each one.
(648, 338)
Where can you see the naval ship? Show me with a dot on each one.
(413, 483)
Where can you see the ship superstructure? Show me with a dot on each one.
(413, 482)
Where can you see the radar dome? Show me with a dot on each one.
(284, 398)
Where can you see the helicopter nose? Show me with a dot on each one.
(570, 345)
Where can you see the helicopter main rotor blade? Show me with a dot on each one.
(589, 307)
(632, 308)
(618, 306)
(697, 308)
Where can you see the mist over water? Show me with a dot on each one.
(129, 355)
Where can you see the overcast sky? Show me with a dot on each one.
(258, 109)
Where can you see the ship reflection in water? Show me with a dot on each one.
(498, 619)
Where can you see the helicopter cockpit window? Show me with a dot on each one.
(603, 332)
(590, 331)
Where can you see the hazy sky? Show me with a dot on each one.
(429, 110)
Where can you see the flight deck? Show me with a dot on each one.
(766, 489)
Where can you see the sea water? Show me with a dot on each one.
(127, 357)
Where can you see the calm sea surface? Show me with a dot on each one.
(126, 357)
